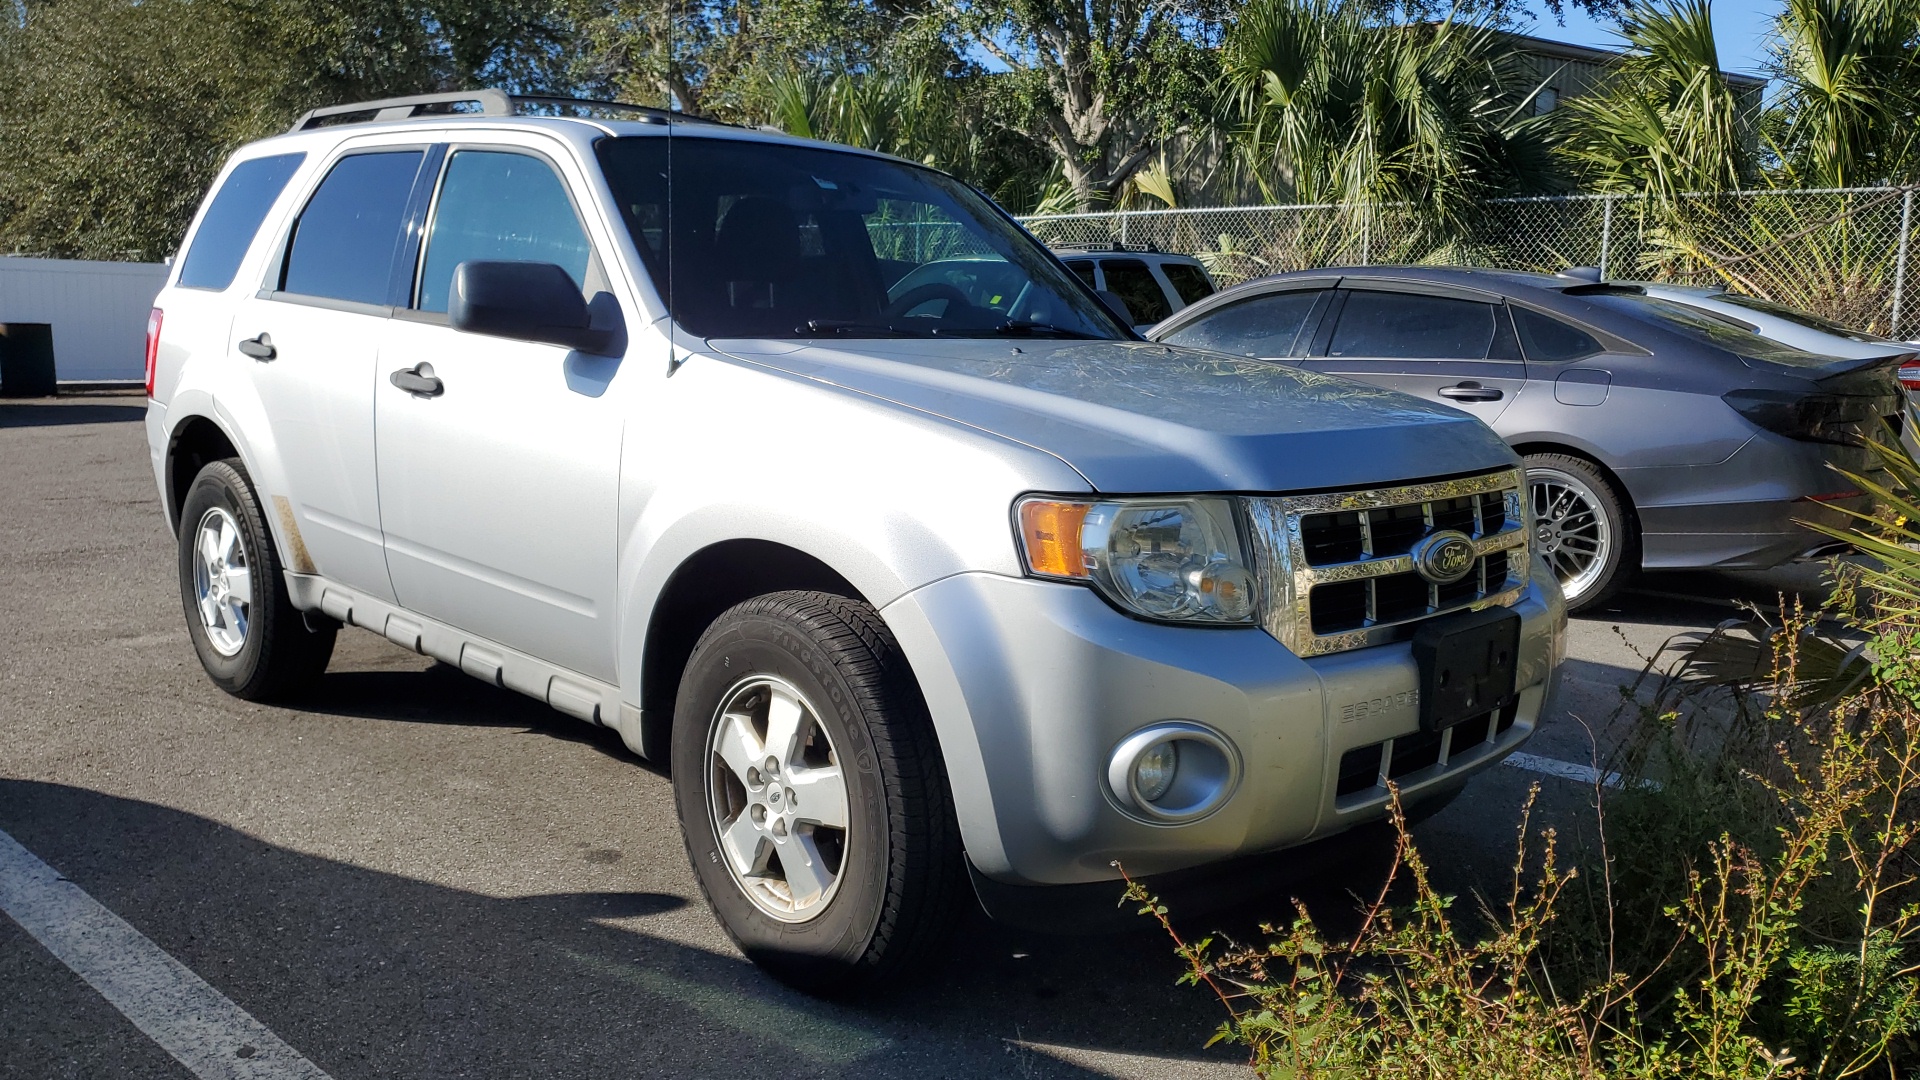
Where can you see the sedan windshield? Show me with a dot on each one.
(763, 239)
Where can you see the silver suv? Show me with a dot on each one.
(614, 408)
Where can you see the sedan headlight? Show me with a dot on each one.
(1173, 560)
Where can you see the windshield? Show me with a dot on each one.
(1707, 328)
(765, 239)
(1797, 317)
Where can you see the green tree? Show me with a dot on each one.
(1850, 90)
(1336, 106)
(1101, 85)
(118, 113)
(1667, 122)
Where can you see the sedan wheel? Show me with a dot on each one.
(1581, 531)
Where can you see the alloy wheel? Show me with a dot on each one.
(776, 798)
(1570, 529)
(222, 581)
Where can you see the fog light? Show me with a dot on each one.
(1172, 772)
(1153, 771)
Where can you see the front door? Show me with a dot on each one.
(311, 343)
(499, 486)
(1453, 350)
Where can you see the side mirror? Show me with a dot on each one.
(1116, 304)
(529, 301)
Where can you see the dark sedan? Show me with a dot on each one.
(1654, 434)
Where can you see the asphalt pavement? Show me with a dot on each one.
(417, 875)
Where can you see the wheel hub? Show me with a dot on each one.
(784, 849)
(222, 581)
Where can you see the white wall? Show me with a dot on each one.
(98, 311)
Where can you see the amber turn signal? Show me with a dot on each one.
(1050, 534)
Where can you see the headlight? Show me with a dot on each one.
(1175, 560)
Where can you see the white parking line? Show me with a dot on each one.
(198, 1025)
(1585, 774)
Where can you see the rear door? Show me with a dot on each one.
(311, 340)
(1458, 350)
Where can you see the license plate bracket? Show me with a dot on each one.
(1467, 665)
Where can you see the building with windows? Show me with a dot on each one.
(1564, 72)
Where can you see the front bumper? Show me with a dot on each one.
(1032, 684)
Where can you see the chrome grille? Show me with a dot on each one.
(1337, 570)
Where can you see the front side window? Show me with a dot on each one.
(1132, 281)
(343, 244)
(764, 239)
(1265, 326)
(226, 229)
(497, 205)
(1189, 281)
(1412, 326)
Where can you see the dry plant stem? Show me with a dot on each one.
(1196, 961)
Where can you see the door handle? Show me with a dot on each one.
(260, 348)
(418, 379)
(1471, 391)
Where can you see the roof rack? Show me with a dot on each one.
(487, 102)
(1107, 245)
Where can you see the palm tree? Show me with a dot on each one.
(1336, 106)
(1850, 71)
(1668, 122)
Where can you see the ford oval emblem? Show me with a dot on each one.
(1445, 557)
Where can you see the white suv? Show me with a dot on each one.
(618, 410)
(1153, 283)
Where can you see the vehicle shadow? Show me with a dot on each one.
(55, 413)
(368, 973)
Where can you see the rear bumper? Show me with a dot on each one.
(1748, 512)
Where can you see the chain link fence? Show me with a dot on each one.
(1840, 253)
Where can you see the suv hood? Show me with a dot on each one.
(1140, 417)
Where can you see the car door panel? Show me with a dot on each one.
(499, 487)
(1452, 350)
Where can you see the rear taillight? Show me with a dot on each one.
(1826, 418)
(1910, 375)
(154, 318)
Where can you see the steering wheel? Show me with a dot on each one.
(920, 294)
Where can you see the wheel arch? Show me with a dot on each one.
(195, 442)
(1620, 490)
(698, 591)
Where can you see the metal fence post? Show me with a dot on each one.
(1123, 228)
(1900, 264)
(1366, 234)
(1606, 232)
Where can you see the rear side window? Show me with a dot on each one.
(1188, 280)
(1135, 284)
(1547, 340)
(1410, 326)
(1264, 326)
(504, 206)
(227, 228)
(343, 244)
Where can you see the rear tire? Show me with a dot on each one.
(251, 639)
(1582, 528)
(812, 796)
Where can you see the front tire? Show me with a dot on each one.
(1581, 529)
(251, 639)
(811, 793)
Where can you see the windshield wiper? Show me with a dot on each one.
(840, 326)
(1022, 328)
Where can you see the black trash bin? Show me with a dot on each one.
(26, 360)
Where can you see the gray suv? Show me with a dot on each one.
(617, 409)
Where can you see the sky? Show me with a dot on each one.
(1739, 29)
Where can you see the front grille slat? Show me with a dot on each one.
(1338, 570)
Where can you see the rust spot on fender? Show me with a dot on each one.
(302, 562)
